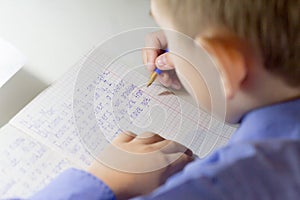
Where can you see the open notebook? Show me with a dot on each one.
(47, 137)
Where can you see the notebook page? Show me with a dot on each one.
(120, 101)
(25, 164)
(49, 120)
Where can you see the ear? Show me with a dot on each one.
(230, 59)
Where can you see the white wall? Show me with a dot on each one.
(54, 34)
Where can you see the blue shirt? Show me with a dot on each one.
(261, 161)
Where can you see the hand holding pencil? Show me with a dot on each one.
(158, 61)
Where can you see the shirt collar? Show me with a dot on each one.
(272, 122)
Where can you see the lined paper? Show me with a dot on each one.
(83, 111)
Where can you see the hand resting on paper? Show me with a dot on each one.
(153, 157)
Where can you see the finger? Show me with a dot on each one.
(169, 79)
(149, 54)
(179, 164)
(189, 153)
(156, 40)
(144, 56)
(126, 136)
(175, 83)
(161, 144)
(149, 138)
(154, 43)
(174, 147)
(164, 62)
(164, 78)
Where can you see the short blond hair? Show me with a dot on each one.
(272, 24)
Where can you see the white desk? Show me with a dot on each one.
(55, 34)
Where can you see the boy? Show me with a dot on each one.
(256, 45)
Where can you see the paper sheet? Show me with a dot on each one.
(11, 60)
(26, 165)
(119, 101)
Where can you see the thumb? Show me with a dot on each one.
(164, 62)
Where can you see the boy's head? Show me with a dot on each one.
(255, 43)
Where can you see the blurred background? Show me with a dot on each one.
(54, 35)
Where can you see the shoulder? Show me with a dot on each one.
(260, 170)
(269, 168)
(254, 157)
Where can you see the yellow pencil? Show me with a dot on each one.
(153, 76)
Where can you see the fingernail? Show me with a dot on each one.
(161, 61)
